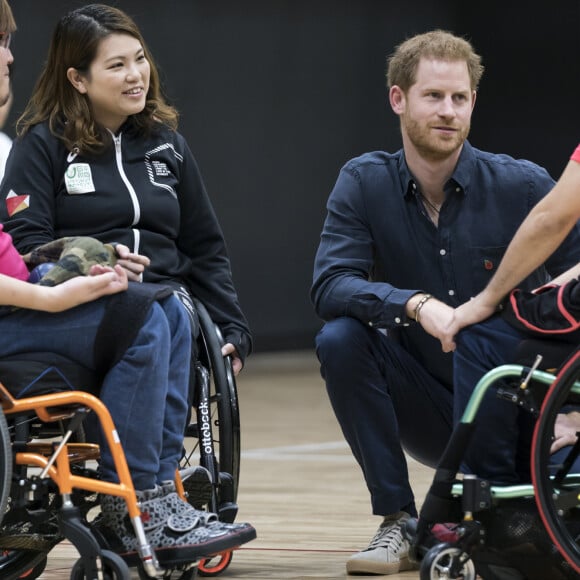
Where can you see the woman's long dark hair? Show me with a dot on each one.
(74, 43)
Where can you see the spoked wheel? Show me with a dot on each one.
(445, 561)
(215, 565)
(114, 568)
(24, 553)
(224, 418)
(556, 478)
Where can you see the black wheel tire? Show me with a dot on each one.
(225, 418)
(439, 558)
(547, 492)
(114, 568)
(22, 564)
(170, 574)
(5, 465)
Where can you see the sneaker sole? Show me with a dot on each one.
(179, 555)
(356, 566)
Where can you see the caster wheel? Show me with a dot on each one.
(114, 568)
(216, 565)
(446, 562)
(179, 573)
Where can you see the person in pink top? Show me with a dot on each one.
(11, 263)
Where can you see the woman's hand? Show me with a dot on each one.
(134, 264)
(237, 364)
(471, 312)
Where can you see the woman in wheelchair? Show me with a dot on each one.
(110, 164)
(145, 391)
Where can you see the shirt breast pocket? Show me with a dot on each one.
(484, 263)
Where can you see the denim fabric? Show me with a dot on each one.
(385, 402)
(379, 247)
(500, 446)
(146, 392)
(495, 452)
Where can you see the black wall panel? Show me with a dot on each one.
(276, 95)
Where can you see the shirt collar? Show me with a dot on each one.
(460, 178)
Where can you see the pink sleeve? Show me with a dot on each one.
(576, 154)
(11, 263)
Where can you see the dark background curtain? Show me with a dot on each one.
(276, 96)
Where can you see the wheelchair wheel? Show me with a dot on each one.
(26, 543)
(114, 568)
(556, 478)
(171, 573)
(5, 465)
(216, 565)
(445, 561)
(22, 564)
(224, 417)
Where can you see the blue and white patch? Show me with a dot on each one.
(79, 179)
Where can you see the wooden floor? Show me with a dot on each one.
(299, 486)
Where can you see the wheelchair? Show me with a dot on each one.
(48, 476)
(518, 532)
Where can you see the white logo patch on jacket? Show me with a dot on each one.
(79, 179)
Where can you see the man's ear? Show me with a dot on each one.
(76, 80)
(397, 99)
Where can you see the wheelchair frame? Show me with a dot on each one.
(555, 490)
(219, 453)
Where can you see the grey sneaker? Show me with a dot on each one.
(177, 532)
(388, 552)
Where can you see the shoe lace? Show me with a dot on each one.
(388, 536)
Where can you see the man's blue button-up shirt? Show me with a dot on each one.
(379, 247)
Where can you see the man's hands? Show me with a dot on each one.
(134, 264)
(435, 315)
(444, 322)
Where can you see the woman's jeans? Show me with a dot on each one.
(146, 392)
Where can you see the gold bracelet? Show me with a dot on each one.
(417, 310)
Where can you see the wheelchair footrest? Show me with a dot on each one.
(227, 512)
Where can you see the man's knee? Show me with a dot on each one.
(339, 336)
(346, 347)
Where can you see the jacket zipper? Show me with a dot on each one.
(131, 189)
